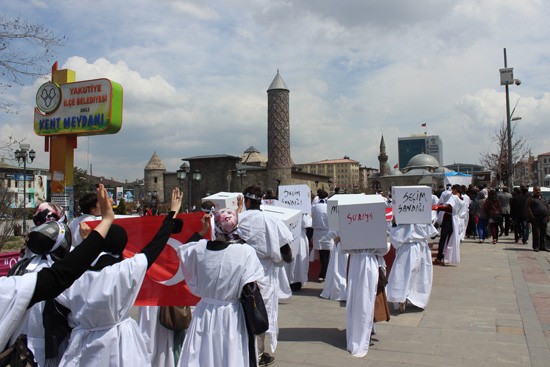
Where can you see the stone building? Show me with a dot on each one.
(344, 173)
(209, 174)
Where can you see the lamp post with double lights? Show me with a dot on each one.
(185, 173)
(25, 155)
(507, 78)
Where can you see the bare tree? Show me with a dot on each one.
(26, 51)
(495, 158)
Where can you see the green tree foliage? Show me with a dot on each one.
(82, 185)
(121, 207)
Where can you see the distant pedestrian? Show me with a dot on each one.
(504, 198)
(494, 214)
(537, 209)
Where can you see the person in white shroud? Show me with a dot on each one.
(412, 271)
(90, 211)
(298, 268)
(217, 271)
(100, 301)
(450, 205)
(322, 242)
(164, 345)
(269, 236)
(464, 211)
(335, 281)
(20, 292)
(48, 242)
(362, 286)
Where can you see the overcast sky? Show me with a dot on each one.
(195, 75)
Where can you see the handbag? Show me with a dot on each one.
(255, 313)
(175, 317)
(18, 354)
(381, 307)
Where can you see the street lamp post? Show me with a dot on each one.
(185, 173)
(24, 155)
(507, 78)
(242, 174)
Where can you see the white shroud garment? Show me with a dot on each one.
(297, 270)
(15, 296)
(284, 291)
(335, 282)
(362, 285)
(464, 215)
(452, 250)
(321, 239)
(266, 234)
(104, 334)
(217, 334)
(159, 340)
(74, 226)
(32, 325)
(411, 275)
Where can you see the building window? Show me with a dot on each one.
(155, 179)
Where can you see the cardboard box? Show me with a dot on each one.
(412, 204)
(292, 218)
(362, 223)
(332, 207)
(224, 200)
(296, 197)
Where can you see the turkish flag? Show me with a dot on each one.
(389, 214)
(396, 165)
(423, 125)
(163, 284)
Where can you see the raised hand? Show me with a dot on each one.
(177, 198)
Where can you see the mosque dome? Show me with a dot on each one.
(395, 172)
(253, 157)
(423, 161)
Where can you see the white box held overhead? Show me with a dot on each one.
(292, 218)
(332, 207)
(296, 196)
(223, 200)
(412, 204)
(362, 224)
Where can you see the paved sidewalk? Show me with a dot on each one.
(493, 309)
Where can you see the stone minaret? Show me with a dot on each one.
(383, 159)
(279, 162)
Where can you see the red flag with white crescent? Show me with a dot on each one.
(389, 214)
(163, 284)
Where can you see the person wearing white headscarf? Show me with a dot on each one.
(20, 292)
(270, 238)
(48, 242)
(104, 334)
(217, 271)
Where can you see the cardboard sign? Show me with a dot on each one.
(332, 207)
(296, 196)
(223, 200)
(412, 204)
(292, 218)
(362, 224)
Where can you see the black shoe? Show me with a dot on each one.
(536, 250)
(545, 249)
(266, 360)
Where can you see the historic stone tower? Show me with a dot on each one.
(154, 178)
(279, 162)
(383, 159)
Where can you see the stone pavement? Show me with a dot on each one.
(493, 309)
